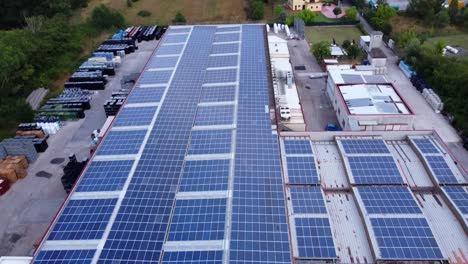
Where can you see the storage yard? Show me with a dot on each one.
(194, 163)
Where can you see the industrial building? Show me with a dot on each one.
(193, 169)
(365, 101)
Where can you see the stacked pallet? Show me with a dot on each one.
(13, 168)
(21, 147)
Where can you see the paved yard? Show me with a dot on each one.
(31, 204)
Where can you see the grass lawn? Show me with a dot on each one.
(403, 23)
(340, 33)
(163, 11)
(460, 40)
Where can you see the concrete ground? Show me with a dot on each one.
(30, 205)
(316, 106)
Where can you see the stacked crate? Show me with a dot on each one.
(21, 147)
(13, 168)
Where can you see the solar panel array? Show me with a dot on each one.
(370, 162)
(158, 187)
(398, 228)
(435, 160)
(459, 197)
(300, 162)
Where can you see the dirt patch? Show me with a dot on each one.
(57, 161)
(43, 174)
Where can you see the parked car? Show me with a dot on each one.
(333, 127)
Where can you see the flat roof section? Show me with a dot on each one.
(373, 99)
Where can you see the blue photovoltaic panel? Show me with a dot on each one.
(122, 142)
(64, 256)
(221, 76)
(135, 116)
(164, 62)
(426, 146)
(307, 200)
(193, 257)
(301, 170)
(364, 146)
(83, 220)
(218, 94)
(141, 225)
(314, 238)
(459, 196)
(405, 239)
(225, 48)
(175, 38)
(215, 115)
(375, 169)
(205, 175)
(228, 29)
(105, 176)
(388, 200)
(179, 30)
(441, 170)
(225, 37)
(210, 142)
(223, 61)
(170, 49)
(146, 95)
(200, 219)
(292, 146)
(259, 224)
(155, 77)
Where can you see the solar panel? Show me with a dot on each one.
(205, 175)
(374, 79)
(388, 200)
(210, 142)
(178, 30)
(135, 116)
(352, 78)
(364, 146)
(175, 38)
(223, 61)
(459, 196)
(314, 238)
(200, 219)
(441, 170)
(121, 142)
(227, 37)
(155, 77)
(297, 147)
(225, 48)
(307, 200)
(228, 29)
(83, 220)
(193, 257)
(221, 76)
(218, 94)
(426, 146)
(146, 95)
(164, 62)
(64, 256)
(374, 169)
(405, 239)
(170, 50)
(105, 176)
(215, 115)
(301, 170)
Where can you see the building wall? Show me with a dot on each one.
(297, 5)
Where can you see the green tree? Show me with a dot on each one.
(321, 50)
(351, 13)
(278, 11)
(104, 18)
(381, 18)
(346, 44)
(405, 38)
(453, 10)
(256, 10)
(290, 20)
(439, 47)
(359, 3)
(337, 11)
(307, 15)
(442, 19)
(179, 19)
(353, 51)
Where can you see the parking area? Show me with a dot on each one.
(30, 205)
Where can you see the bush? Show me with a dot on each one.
(351, 14)
(353, 51)
(321, 50)
(337, 11)
(346, 44)
(307, 15)
(442, 19)
(104, 18)
(179, 19)
(255, 10)
(144, 13)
